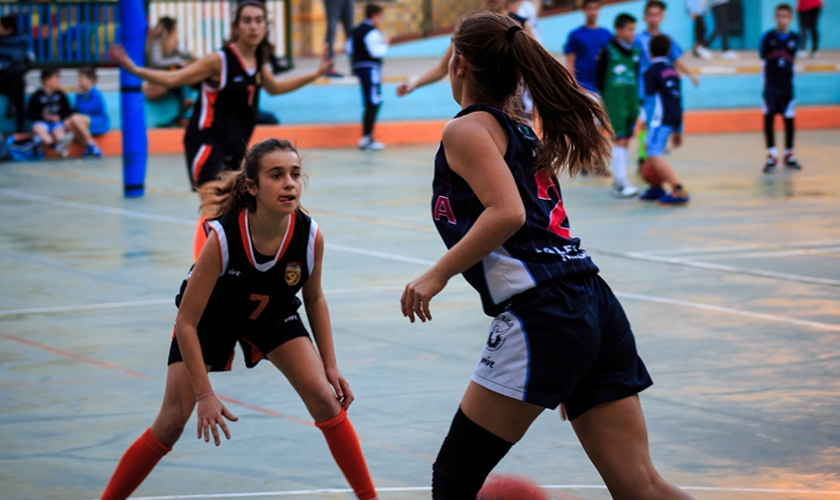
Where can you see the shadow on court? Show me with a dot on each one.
(734, 299)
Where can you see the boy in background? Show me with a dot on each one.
(778, 50)
(48, 108)
(616, 76)
(91, 116)
(662, 85)
(584, 44)
(367, 47)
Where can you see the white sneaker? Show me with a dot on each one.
(815, 55)
(367, 143)
(62, 147)
(802, 54)
(624, 191)
(729, 54)
(704, 53)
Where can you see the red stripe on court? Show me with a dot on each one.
(68, 354)
(62, 382)
(265, 411)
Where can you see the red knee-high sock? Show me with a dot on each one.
(200, 237)
(347, 452)
(136, 463)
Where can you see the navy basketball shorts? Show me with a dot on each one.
(779, 105)
(567, 342)
(371, 81)
(217, 345)
(207, 159)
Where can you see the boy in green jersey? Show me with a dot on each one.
(617, 76)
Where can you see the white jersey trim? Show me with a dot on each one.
(223, 244)
(310, 245)
(505, 276)
(265, 266)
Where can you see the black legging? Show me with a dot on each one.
(808, 22)
(699, 30)
(721, 13)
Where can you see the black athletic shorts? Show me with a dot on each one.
(217, 345)
(779, 104)
(207, 159)
(568, 342)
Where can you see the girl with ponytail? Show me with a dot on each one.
(558, 336)
(262, 249)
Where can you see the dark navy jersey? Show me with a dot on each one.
(540, 252)
(226, 111)
(663, 82)
(361, 54)
(778, 51)
(252, 296)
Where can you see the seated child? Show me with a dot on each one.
(91, 115)
(662, 82)
(48, 108)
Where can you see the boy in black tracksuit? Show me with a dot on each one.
(777, 51)
(367, 47)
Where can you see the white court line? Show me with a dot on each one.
(770, 491)
(708, 307)
(766, 254)
(728, 269)
(425, 262)
(735, 248)
(87, 307)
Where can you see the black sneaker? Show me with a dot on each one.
(771, 165)
(791, 163)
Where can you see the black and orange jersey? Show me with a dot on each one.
(226, 110)
(252, 296)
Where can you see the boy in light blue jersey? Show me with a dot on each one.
(90, 115)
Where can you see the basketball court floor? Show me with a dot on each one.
(734, 300)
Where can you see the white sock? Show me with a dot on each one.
(772, 152)
(788, 152)
(619, 165)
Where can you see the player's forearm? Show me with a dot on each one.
(291, 84)
(190, 348)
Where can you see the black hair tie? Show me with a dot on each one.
(512, 31)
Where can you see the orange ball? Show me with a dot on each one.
(649, 174)
(510, 488)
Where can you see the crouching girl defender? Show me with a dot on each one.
(559, 334)
(261, 250)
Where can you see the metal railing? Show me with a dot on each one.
(70, 34)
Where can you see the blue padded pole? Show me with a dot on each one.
(135, 144)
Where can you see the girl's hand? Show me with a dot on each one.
(119, 56)
(415, 299)
(210, 413)
(326, 62)
(405, 88)
(340, 386)
(676, 140)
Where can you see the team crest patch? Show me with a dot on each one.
(501, 325)
(292, 273)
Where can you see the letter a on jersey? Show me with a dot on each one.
(444, 209)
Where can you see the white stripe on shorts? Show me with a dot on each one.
(505, 363)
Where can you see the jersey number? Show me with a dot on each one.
(251, 91)
(263, 299)
(558, 213)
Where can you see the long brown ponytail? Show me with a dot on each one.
(230, 192)
(500, 55)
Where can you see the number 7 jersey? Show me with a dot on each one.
(540, 252)
(252, 296)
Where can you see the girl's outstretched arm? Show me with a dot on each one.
(319, 320)
(199, 288)
(473, 153)
(275, 86)
(209, 66)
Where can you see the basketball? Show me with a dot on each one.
(510, 488)
(649, 174)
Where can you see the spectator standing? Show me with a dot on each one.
(162, 53)
(662, 84)
(617, 78)
(720, 11)
(809, 14)
(337, 11)
(15, 55)
(91, 114)
(697, 10)
(367, 48)
(526, 9)
(778, 52)
(48, 108)
(584, 44)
